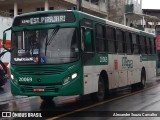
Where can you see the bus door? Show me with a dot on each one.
(88, 56)
(87, 45)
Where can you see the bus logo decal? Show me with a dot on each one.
(127, 63)
(103, 59)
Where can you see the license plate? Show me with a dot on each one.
(38, 89)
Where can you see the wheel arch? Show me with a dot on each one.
(104, 75)
(143, 71)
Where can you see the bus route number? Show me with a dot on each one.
(103, 60)
(25, 79)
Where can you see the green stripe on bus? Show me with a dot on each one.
(148, 57)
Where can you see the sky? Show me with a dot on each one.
(150, 4)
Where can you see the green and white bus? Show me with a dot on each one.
(65, 52)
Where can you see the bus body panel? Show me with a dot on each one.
(122, 69)
(52, 84)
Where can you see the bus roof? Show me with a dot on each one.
(114, 24)
(94, 18)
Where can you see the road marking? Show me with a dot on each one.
(100, 103)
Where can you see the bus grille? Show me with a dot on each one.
(27, 89)
(39, 70)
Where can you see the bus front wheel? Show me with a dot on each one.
(46, 98)
(100, 94)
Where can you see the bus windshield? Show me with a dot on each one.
(47, 46)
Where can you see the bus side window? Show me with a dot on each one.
(128, 43)
(135, 39)
(145, 45)
(110, 37)
(153, 46)
(100, 38)
(148, 47)
(85, 47)
(142, 44)
(150, 44)
(120, 41)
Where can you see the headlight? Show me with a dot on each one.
(66, 80)
(12, 77)
(74, 75)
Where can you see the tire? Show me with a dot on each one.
(141, 84)
(100, 94)
(143, 80)
(46, 98)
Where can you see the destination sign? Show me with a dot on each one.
(44, 19)
(39, 20)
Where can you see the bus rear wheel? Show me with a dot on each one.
(143, 80)
(46, 98)
(141, 84)
(100, 94)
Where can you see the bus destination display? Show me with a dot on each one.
(44, 19)
(48, 19)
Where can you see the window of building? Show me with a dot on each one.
(19, 11)
(120, 41)
(40, 9)
(100, 38)
(96, 2)
(11, 11)
(110, 36)
(51, 8)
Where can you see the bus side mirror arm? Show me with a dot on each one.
(4, 39)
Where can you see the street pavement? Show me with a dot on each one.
(5, 94)
(145, 101)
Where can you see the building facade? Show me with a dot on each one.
(16, 7)
(116, 10)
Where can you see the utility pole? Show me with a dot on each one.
(79, 5)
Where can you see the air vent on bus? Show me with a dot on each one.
(39, 70)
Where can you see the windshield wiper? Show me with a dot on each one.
(50, 38)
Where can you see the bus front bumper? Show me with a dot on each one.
(74, 87)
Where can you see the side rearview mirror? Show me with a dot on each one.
(4, 38)
(87, 37)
